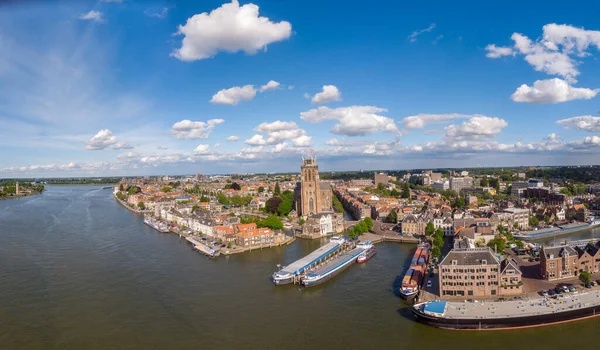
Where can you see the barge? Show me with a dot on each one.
(558, 230)
(490, 315)
(331, 269)
(288, 273)
(413, 278)
(157, 225)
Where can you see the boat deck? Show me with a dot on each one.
(337, 262)
(304, 263)
(519, 308)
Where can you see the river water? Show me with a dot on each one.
(78, 271)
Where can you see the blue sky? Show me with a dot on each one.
(135, 87)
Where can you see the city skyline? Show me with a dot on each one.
(117, 87)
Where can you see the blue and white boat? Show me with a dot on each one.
(331, 269)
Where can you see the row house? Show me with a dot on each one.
(564, 261)
(577, 212)
(444, 222)
(258, 237)
(323, 224)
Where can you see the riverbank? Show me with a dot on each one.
(133, 210)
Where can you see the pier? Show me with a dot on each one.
(293, 272)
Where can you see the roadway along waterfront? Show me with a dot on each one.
(78, 271)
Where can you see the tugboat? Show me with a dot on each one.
(368, 253)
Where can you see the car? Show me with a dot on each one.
(223, 245)
(552, 293)
(429, 284)
(204, 238)
(558, 290)
(588, 285)
(431, 274)
(593, 283)
(565, 289)
(572, 288)
(544, 293)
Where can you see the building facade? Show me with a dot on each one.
(315, 196)
(458, 183)
(477, 272)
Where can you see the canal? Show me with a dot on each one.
(78, 271)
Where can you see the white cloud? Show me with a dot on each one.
(275, 126)
(160, 15)
(593, 140)
(419, 121)
(328, 94)
(551, 91)
(413, 36)
(302, 141)
(202, 150)
(256, 140)
(230, 28)
(553, 52)
(128, 155)
(332, 142)
(92, 15)
(162, 147)
(436, 40)
(234, 95)
(251, 150)
(271, 85)
(586, 122)
(232, 138)
(476, 128)
(494, 51)
(353, 120)
(189, 130)
(103, 139)
(280, 147)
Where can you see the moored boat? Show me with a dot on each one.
(157, 225)
(483, 315)
(411, 282)
(331, 269)
(368, 253)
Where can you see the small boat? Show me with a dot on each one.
(366, 255)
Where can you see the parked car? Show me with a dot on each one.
(565, 289)
(593, 283)
(558, 290)
(544, 293)
(572, 288)
(551, 293)
(588, 285)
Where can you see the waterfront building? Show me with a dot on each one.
(565, 261)
(519, 216)
(255, 237)
(478, 272)
(323, 224)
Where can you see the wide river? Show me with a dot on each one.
(78, 271)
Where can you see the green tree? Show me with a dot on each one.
(533, 221)
(204, 199)
(337, 205)
(285, 207)
(497, 244)
(429, 229)
(585, 277)
(392, 217)
(380, 187)
(272, 222)
(133, 190)
(460, 203)
(516, 225)
(121, 187)
(195, 207)
(166, 189)
(546, 219)
(436, 252)
(439, 232)
(368, 223)
(394, 193)
(301, 221)
(405, 190)
(236, 186)
(484, 182)
(229, 245)
(500, 229)
(261, 189)
(438, 241)
(277, 190)
(141, 205)
(520, 244)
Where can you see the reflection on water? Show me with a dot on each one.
(77, 271)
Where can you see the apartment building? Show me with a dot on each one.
(477, 272)
(564, 261)
(458, 183)
(519, 216)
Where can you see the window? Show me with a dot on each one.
(470, 292)
(454, 262)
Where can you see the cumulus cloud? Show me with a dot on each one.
(552, 91)
(256, 140)
(201, 150)
(332, 142)
(476, 128)
(189, 130)
(279, 131)
(414, 35)
(353, 120)
(555, 52)
(234, 95)
(92, 15)
(271, 85)
(280, 147)
(419, 121)
(494, 51)
(586, 122)
(103, 139)
(328, 94)
(230, 28)
(232, 138)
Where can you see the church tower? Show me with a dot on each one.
(310, 193)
